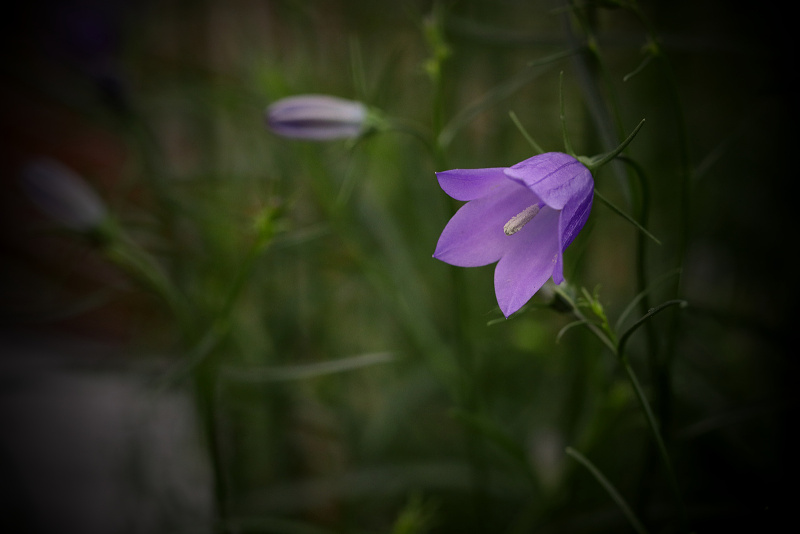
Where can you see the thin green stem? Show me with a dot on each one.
(650, 457)
(625, 216)
(605, 128)
(562, 114)
(414, 130)
(465, 354)
(609, 487)
(598, 161)
(683, 204)
(602, 335)
(204, 381)
(623, 339)
(640, 395)
(654, 428)
(144, 269)
(588, 70)
(532, 70)
(618, 349)
(525, 134)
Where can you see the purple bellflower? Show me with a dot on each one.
(316, 117)
(522, 217)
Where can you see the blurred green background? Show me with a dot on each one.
(323, 373)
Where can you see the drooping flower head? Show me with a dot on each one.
(60, 193)
(522, 217)
(316, 117)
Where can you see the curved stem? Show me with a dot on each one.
(612, 491)
(684, 182)
(643, 402)
(654, 428)
(625, 216)
(657, 373)
(618, 349)
(596, 330)
(623, 339)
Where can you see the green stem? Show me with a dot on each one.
(654, 428)
(598, 161)
(650, 459)
(531, 141)
(653, 311)
(625, 216)
(612, 491)
(684, 195)
(465, 354)
(563, 116)
(532, 70)
(144, 269)
(661, 372)
(618, 349)
(205, 383)
(588, 67)
(640, 395)
(601, 334)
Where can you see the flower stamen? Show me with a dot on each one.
(518, 221)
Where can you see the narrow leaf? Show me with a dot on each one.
(497, 94)
(312, 370)
(646, 61)
(625, 216)
(567, 145)
(568, 327)
(653, 311)
(630, 307)
(597, 331)
(525, 134)
(612, 491)
(600, 160)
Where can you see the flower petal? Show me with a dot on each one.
(474, 236)
(554, 177)
(469, 184)
(573, 218)
(529, 263)
(558, 269)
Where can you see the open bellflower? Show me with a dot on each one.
(316, 117)
(522, 217)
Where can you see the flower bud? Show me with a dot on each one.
(316, 117)
(62, 195)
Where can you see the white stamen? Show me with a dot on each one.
(519, 220)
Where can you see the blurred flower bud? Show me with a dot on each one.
(62, 195)
(317, 117)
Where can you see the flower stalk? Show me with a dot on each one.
(617, 347)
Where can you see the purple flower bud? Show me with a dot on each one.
(316, 117)
(62, 195)
(522, 217)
